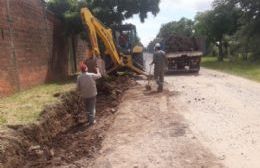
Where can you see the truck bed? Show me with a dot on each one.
(184, 53)
(184, 61)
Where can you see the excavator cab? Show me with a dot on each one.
(127, 43)
(125, 37)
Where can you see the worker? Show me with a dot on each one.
(86, 87)
(123, 40)
(160, 63)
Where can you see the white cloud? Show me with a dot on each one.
(169, 10)
(196, 5)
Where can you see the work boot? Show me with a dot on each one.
(92, 123)
(160, 89)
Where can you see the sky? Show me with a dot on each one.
(170, 10)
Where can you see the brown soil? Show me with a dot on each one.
(177, 43)
(61, 135)
(206, 120)
(148, 133)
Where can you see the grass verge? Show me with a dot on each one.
(25, 107)
(250, 70)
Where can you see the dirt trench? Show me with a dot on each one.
(61, 135)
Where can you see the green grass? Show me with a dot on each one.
(245, 69)
(25, 107)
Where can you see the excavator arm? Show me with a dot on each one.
(97, 29)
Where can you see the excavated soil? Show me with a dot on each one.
(206, 120)
(61, 135)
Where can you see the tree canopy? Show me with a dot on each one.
(108, 11)
(217, 23)
(232, 22)
(183, 27)
(250, 14)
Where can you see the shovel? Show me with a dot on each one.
(148, 86)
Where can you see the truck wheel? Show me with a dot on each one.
(197, 70)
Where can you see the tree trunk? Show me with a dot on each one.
(221, 54)
(245, 53)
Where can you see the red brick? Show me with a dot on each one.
(40, 50)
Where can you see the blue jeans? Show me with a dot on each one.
(91, 108)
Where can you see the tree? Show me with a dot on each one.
(115, 11)
(68, 11)
(248, 34)
(175, 35)
(108, 11)
(183, 27)
(216, 23)
(250, 17)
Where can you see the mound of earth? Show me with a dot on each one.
(177, 43)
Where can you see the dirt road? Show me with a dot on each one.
(223, 112)
(206, 120)
(147, 132)
(210, 120)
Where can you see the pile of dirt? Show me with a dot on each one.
(61, 135)
(177, 43)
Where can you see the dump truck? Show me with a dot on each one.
(184, 61)
(120, 48)
(183, 53)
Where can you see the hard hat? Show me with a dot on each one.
(157, 45)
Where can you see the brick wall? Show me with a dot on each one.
(33, 48)
(30, 41)
(81, 51)
(58, 48)
(7, 69)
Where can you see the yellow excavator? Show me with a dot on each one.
(121, 48)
